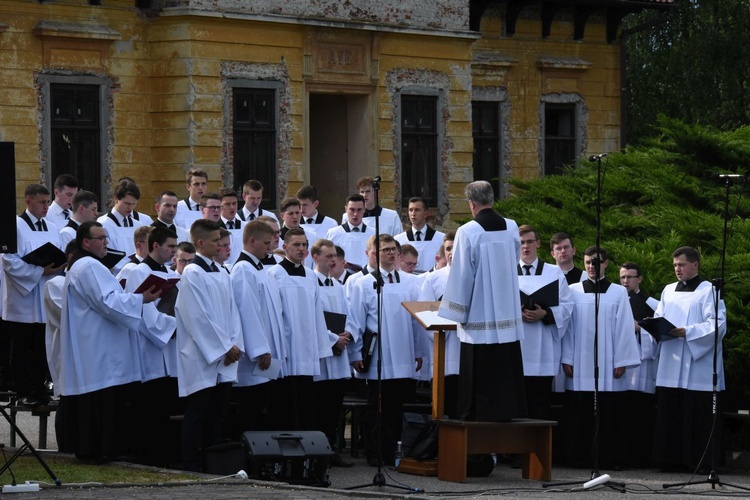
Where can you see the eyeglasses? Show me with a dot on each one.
(184, 261)
(528, 242)
(389, 250)
(213, 207)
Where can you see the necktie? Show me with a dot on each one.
(39, 226)
(197, 207)
(418, 236)
(355, 229)
(66, 214)
(310, 220)
(163, 268)
(328, 282)
(527, 268)
(214, 269)
(390, 278)
(230, 224)
(172, 228)
(129, 221)
(252, 216)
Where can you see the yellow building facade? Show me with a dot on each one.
(319, 92)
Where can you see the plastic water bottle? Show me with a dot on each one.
(399, 454)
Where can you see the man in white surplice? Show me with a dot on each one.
(543, 327)
(158, 348)
(23, 296)
(261, 326)
(641, 406)
(402, 344)
(684, 378)
(120, 223)
(99, 365)
(617, 350)
(209, 344)
(482, 296)
(307, 338)
(335, 371)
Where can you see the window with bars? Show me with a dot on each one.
(485, 119)
(76, 134)
(254, 136)
(559, 137)
(419, 160)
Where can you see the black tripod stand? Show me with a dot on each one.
(379, 478)
(26, 445)
(713, 477)
(596, 477)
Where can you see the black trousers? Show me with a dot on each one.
(491, 387)
(28, 359)
(292, 404)
(252, 407)
(205, 412)
(395, 393)
(160, 437)
(99, 424)
(329, 400)
(683, 429)
(539, 396)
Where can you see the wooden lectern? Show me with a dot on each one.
(456, 438)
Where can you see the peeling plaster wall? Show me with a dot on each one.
(440, 14)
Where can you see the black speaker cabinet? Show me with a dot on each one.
(8, 237)
(296, 457)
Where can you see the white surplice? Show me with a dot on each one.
(617, 343)
(208, 325)
(688, 363)
(98, 331)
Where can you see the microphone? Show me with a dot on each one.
(377, 179)
(598, 157)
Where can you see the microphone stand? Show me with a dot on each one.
(26, 446)
(379, 478)
(713, 477)
(596, 478)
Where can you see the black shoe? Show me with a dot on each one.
(30, 402)
(337, 461)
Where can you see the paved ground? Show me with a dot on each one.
(504, 482)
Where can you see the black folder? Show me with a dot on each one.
(659, 328)
(546, 296)
(45, 255)
(640, 308)
(369, 341)
(336, 323)
(112, 258)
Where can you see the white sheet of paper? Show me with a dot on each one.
(271, 372)
(431, 318)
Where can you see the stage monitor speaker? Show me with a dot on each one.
(8, 236)
(296, 457)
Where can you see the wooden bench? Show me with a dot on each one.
(531, 438)
(42, 412)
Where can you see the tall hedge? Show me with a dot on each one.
(655, 198)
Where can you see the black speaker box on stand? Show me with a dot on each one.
(8, 237)
(297, 457)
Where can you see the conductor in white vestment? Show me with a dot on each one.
(482, 295)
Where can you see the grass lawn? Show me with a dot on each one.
(69, 471)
